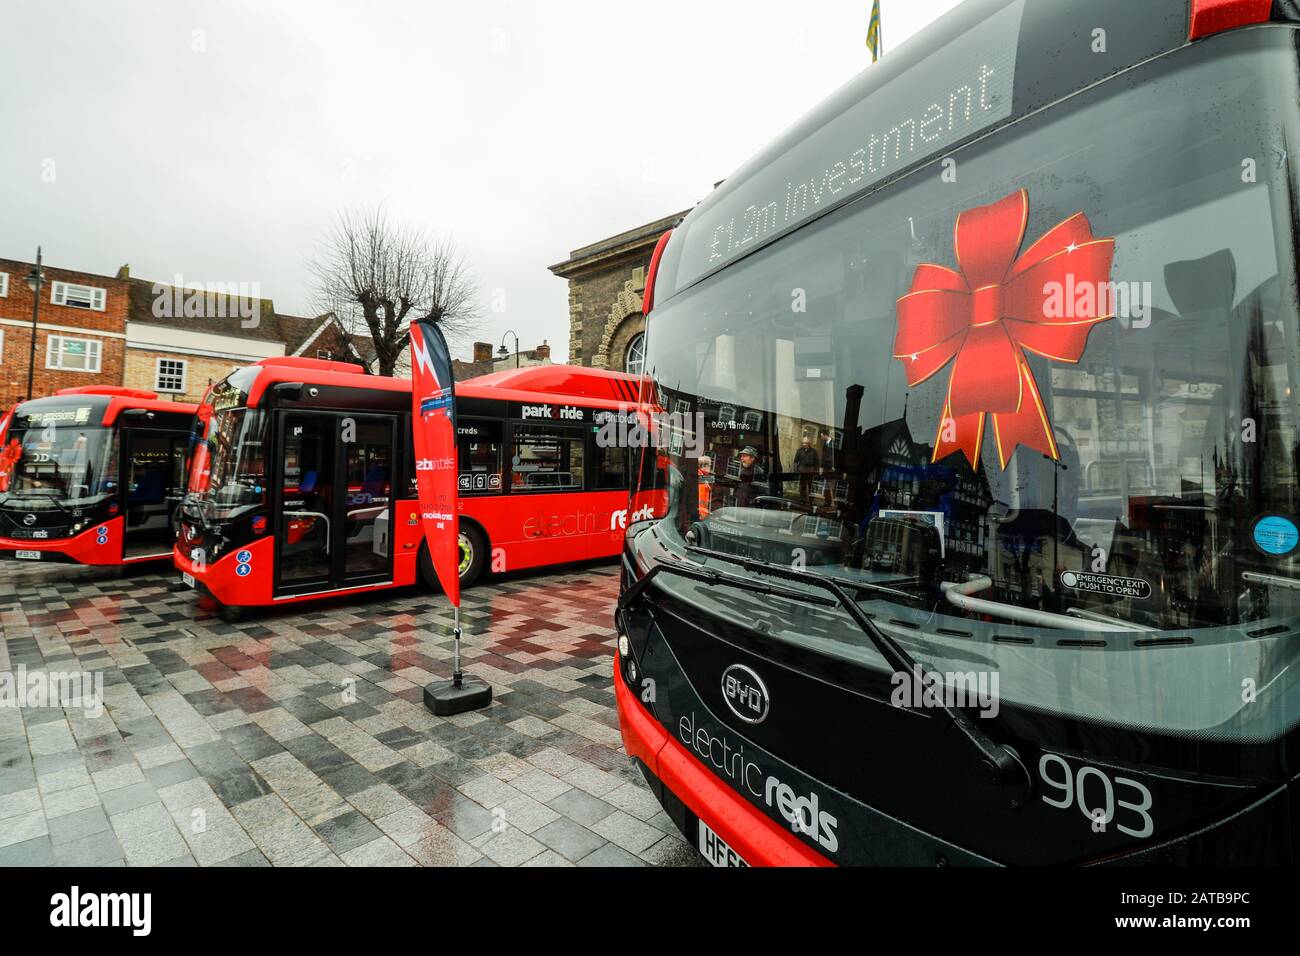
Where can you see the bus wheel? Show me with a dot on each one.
(473, 558)
(231, 614)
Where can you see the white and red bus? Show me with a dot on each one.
(92, 476)
(303, 482)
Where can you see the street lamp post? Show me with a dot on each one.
(35, 279)
(504, 353)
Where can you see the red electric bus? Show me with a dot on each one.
(303, 481)
(93, 476)
(996, 358)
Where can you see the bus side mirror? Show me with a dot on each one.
(289, 391)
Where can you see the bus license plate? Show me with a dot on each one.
(187, 579)
(715, 849)
(27, 555)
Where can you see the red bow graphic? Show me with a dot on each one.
(993, 311)
(8, 458)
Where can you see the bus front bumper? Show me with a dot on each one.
(679, 779)
(100, 546)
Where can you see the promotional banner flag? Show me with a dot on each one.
(433, 417)
(433, 421)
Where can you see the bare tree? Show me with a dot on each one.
(377, 277)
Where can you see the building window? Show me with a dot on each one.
(72, 355)
(325, 355)
(634, 360)
(78, 296)
(170, 375)
(4, 285)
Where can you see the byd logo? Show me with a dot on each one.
(618, 520)
(745, 694)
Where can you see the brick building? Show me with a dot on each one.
(180, 341)
(606, 285)
(486, 361)
(80, 338)
(96, 330)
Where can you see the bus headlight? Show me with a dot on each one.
(631, 671)
(624, 647)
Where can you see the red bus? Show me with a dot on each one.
(303, 482)
(92, 476)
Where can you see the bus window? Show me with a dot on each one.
(547, 460)
(479, 456)
(613, 468)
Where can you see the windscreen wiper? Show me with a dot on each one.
(1004, 765)
(715, 578)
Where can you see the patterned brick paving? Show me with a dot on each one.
(298, 737)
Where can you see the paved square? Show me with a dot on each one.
(298, 737)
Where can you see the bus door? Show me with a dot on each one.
(153, 462)
(335, 481)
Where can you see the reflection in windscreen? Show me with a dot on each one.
(65, 463)
(229, 468)
(1160, 491)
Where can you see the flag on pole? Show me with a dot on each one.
(433, 420)
(437, 476)
(873, 32)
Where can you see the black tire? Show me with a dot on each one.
(231, 614)
(471, 570)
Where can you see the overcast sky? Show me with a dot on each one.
(218, 140)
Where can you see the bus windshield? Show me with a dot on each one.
(72, 465)
(229, 466)
(1095, 432)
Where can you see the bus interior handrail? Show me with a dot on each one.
(312, 514)
(1291, 584)
(961, 595)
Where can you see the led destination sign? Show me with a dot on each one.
(918, 113)
(78, 415)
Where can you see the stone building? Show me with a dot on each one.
(606, 286)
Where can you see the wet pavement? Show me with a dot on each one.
(298, 736)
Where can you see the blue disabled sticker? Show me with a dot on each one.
(244, 557)
(244, 570)
(1276, 535)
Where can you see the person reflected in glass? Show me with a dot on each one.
(806, 463)
(706, 481)
(751, 474)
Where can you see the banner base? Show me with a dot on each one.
(446, 699)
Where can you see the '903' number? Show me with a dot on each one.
(1060, 776)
